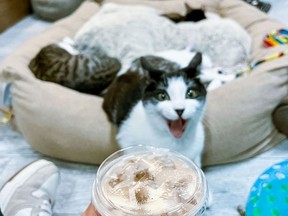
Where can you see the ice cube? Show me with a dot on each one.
(163, 162)
(116, 180)
(141, 195)
(143, 175)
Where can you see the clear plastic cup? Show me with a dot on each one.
(143, 180)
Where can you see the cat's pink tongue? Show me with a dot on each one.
(177, 127)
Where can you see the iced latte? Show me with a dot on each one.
(149, 181)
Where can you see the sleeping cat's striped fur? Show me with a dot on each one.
(163, 109)
(66, 66)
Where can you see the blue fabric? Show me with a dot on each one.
(7, 97)
(269, 194)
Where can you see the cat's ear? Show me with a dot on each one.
(153, 73)
(196, 61)
(188, 8)
(194, 15)
(192, 70)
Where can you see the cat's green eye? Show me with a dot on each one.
(191, 94)
(161, 96)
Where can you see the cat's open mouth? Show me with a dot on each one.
(177, 127)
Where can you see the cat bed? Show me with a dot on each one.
(62, 123)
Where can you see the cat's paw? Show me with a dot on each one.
(69, 45)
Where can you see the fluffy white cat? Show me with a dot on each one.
(128, 32)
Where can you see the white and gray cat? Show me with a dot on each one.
(162, 107)
(127, 32)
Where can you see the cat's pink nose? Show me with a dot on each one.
(179, 112)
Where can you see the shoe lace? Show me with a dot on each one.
(45, 209)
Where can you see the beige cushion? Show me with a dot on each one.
(52, 10)
(62, 123)
(238, 116)
(46, 114)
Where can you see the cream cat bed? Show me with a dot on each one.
(65, 124)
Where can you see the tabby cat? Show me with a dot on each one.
(161, 108)
(63, 64)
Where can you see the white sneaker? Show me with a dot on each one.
(31, 191)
